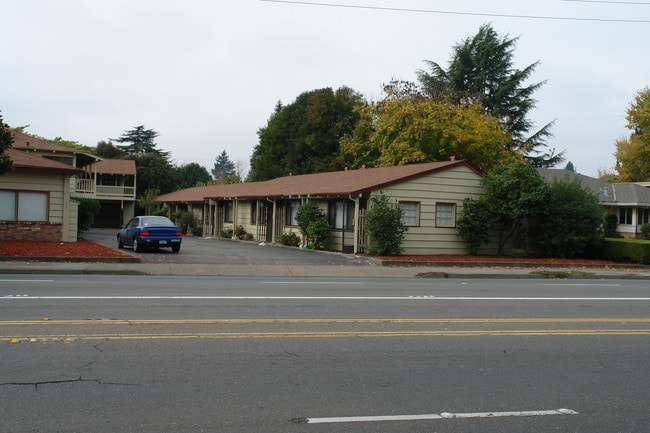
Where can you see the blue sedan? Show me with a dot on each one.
(150, 232)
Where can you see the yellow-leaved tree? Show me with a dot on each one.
(408, 128)
(633, 153)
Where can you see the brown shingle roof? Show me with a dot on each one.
(22, 159)
(25, 141)
(338, 183)
(113, 166)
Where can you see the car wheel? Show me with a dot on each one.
(136, 245)
(120, 244)
(176, 248)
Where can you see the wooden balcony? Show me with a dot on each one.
(88, 189)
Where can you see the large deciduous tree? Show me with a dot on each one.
(6, 141)
(633, 153)
(407, 128)
(303, 137)
(481, 70)
(192, 174)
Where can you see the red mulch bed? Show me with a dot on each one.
(81, 248)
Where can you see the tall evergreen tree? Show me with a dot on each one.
(223, 167)
(482, 70)
(140, 142)
(6, 141)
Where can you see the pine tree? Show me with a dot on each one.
(223, 167)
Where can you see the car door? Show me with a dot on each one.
(130, 230)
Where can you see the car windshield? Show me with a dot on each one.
(156, 221)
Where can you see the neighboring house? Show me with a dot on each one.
(111, 181)
(430, 195)
(35, 201)
(630, 202)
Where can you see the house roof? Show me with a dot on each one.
(113, 166)
(338, 183)
(25, 141)
(609, 194)
(22, 159)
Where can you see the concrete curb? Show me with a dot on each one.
(297, 271)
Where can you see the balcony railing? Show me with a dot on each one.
(87, 188)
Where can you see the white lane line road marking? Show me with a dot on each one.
(442, 415)
(343, 298)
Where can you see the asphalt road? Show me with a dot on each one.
(224, 251)
(170, 354)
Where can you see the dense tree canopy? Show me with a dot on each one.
(633, 153)
(6, 140)
(303, 137)
(192, 174)
(406, 128)
(482, 70)
(155, 173)
(106, 149)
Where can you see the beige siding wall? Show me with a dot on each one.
(59, 212)
(449, 186)
(53, 183)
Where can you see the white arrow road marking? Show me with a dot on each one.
(443, 415)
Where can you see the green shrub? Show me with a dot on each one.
(313, 224)
(249, 237)
(384, 226)
(89, 208)
(610, 224)
(319, 232)
(161, 212)
(240, 233)
(226, 233)
(188, 223)
(290, 239)
(645, 231)
(626, 250)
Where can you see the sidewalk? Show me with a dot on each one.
(377, 271)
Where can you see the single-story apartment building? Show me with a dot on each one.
(430, 196)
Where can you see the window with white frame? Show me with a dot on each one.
(410, 213)
(445, 215)
(642, 216)
(625, 215)
(340, 214)
(291, 212)
(25, 206)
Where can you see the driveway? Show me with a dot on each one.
(195, 250)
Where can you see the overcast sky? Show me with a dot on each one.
(207, 74)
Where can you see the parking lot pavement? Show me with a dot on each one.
(216, 251)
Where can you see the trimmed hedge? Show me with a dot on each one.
(626, 250)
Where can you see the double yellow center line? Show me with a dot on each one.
(240, 328)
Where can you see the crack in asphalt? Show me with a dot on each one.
(57, 382)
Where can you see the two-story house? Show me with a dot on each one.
(110, 181)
